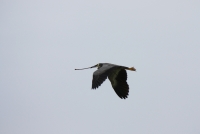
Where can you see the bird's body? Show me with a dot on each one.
(117, 76)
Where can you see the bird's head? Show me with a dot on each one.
(99, 65)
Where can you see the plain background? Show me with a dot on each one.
(43, 41)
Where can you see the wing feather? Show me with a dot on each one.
(118, 80)
(100, 75)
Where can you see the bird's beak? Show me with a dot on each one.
(88, 67)
(94, 66)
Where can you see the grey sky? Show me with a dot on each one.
(42, 42)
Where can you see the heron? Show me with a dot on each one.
(115, 73)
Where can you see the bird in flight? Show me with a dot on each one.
(115, 73)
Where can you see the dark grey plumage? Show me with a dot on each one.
(117, 76)
(115, 73)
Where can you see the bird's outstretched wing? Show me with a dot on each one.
(100, 75)
(118, 80)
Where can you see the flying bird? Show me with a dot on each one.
(115, 73)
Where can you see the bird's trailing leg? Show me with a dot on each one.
(131, 69)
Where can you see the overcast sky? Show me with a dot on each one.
(43, 41)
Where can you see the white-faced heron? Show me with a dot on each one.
(115, 73)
